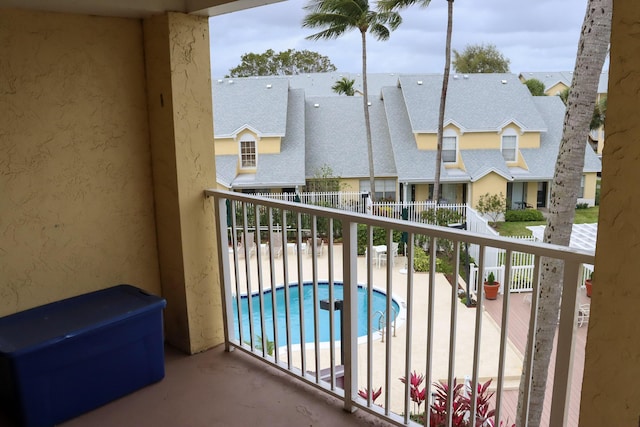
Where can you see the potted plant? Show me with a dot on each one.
(491, 287)
(587, 284)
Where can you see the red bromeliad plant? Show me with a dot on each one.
(438, 410)
(461, 405)
(364, 393)
(417, 395)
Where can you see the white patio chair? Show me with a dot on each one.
(382, 257)
(584, 311)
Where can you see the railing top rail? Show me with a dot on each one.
(538, 248)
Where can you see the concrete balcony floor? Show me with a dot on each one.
(216, 388)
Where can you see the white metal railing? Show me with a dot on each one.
(263, 285)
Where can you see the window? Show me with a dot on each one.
(448, 193)
(581, 193)
(449, 149)
(247, 153)
(385, 188)
(509, 146)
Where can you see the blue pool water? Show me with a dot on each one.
(379, 304)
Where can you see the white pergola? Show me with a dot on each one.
(583, 236)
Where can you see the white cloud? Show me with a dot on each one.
(535, 36)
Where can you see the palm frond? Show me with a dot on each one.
(387, 5)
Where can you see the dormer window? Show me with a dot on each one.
(449, 146)
(248, 153)
(509, 145)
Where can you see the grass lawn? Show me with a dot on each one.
(583, 216)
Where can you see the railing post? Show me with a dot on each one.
(565, 346)
(225, 276)
(349, 313)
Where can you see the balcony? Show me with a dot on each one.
(433, 332)
(273, 378)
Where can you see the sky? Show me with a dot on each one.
(539, 35)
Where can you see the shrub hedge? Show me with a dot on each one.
(523, 215)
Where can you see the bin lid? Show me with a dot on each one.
(40, 326)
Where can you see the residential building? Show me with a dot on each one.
(106, 148)
(497, 137)
(556, 82)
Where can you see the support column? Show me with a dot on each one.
(181, 132)
(610, 392)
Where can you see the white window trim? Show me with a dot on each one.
(248, 138)
(513, 133)
(448, 133)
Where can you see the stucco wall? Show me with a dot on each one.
(181, 129)
(610, 392)
(77, 211)
(492, 183)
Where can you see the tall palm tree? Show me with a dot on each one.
(336, 17)
(592, 51)
(399, 4)
(344, 85)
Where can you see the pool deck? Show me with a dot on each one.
(464, 336)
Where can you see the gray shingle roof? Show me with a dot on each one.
(337, 137)
(542, 161)
(286, 169)
(249, 101)
(480, 163)
(413, 165)
(475, 102)
(333, 133)
(551, 78)
(319, 84)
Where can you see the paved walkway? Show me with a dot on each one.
(465, 326)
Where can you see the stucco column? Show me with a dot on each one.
(610, 391)
(181, 130)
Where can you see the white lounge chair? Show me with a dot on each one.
(250, 243)
(277, 247)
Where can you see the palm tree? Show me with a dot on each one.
(399, 4)
(336, 17)
(592, 51)
(344, 85)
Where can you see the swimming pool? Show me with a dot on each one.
(379, 305)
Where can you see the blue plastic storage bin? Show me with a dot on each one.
(62, 359)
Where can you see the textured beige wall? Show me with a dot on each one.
(181, 128)
(610, 392)
(76, 208)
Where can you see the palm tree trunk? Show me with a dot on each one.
(592, 51)
(443, 101)
(367, 121)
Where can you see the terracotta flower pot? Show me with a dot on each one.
(491, 291)
(587, 284)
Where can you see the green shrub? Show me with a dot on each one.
(379, 237)
(523, 215)
(582, 206)
(441, 216)
(421, 263)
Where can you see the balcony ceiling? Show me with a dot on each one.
(135, 8)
